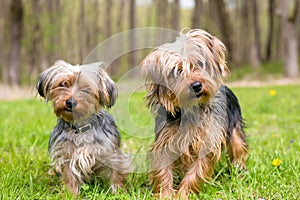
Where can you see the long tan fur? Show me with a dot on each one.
(85, 144)
(191, 125)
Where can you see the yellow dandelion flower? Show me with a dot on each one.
(272, 92)
(276, 162)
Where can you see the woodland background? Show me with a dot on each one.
(36, 33)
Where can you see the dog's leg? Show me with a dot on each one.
(70, 180)
(162, 155)
(237, 148)
(117, 180)
(236, 139)
(118, 166)
(162, 179)
(199, 171)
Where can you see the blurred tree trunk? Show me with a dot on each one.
(91, 31)
(81, 31)
(120, 27)
(271, 6)
(108, 17)
(256, 47)
(175, 15)
(54, 10)
(212, 19)
(150, 12)
(121, 15)
(288, 26)
(35, 51)
(3, 61)
(244, 42)
(162, 13)
(226, 29)
(96, 27)
(16, 28)
(196, 17)
(150, 22)
(132, 25)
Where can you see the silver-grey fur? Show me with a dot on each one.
(94, 154)
(85, 144)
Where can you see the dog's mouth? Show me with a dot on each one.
(193, 98)
(198, 95)
(70, 114)
(70, 110)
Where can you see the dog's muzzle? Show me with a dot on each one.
(71, 103)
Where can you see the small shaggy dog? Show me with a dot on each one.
(85, 144)
(196, 115)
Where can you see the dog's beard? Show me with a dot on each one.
(188, 98)
(80, 113)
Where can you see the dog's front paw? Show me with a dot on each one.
(116, 187)
(167, 193)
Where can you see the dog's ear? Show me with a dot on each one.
(40, 85)
(45, 80)
(155, 84)
(219, 51)
(213, 45)
(108, 91)
(151, 86)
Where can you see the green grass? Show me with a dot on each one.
(267, 71)
(273, 127)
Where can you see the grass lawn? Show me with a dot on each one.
(273, 129)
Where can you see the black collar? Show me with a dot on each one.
(169, 116)
(80, 129)
(175, 116)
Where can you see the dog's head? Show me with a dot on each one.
(186, 72)
(76, 92)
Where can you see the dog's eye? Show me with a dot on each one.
(200, 63)
(86, 90)
(176, 71)
(63, 84)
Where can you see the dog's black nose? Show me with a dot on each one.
(196, 87)
(71, 103)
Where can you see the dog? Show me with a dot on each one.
(85, 144)
(196, 115)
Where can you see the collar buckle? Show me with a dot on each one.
(84, 129)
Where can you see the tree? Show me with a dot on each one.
(16, 31)
(256, 47)
(132, 25)
(288, 26)
(3, 68)
(35, 50)
(162, 13)
(175, 15)
(226, 28)
(271, 8)
(120, 27)
(121, 15)
(244, 42)
(108, 17)
(82, 31)
(196, 17)
(54, 14)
